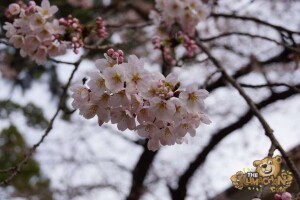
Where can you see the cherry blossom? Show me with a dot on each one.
(162, 109)
(131, 97)
(193, 98)
(33, 31)
(38, 34)
(114, 78)
(137, 78)
(46, 10)
(123, 118)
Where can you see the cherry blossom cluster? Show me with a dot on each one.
(189, 44)
(38, 34)
(100, 28)
(33, 30)
(186, 13)
(167, 46)
(128, 95)
(73, 32)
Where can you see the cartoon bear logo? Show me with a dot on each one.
(268, 166)
(267, 172)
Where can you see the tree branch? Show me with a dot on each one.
(282, 57)
(139, 174)
(17, 169)
(180, 192)
(295, 88)
(259, 21)
(252, 36)
(254, 109)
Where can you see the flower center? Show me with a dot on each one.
(117, 78)
(135, 78)
(193, 97)
(100, 83)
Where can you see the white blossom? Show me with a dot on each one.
(133, 98)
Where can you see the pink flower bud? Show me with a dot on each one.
(120, 52)
(74, 25)
(14, 9)
(115, 55)
(277, 197)
(120, 60)
(32, 3)
(110, 52)
(286, 196)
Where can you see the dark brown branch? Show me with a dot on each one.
(139, 174)
(11, 169)
(254, 109)
(280, 58)
(251, 36)
(256, 20)
(62, 62)
(295, 88)
(180, 192)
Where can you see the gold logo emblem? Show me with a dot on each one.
(266, 172)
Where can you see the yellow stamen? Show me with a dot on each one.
(117, 78)
(136, 78)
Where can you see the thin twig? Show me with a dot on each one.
(271, 150)
(259, 21)
(62, 62)
(205, 84)
(8, 170)
(254, 109)
(249, 35)
(18, 167)
(271, 85)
